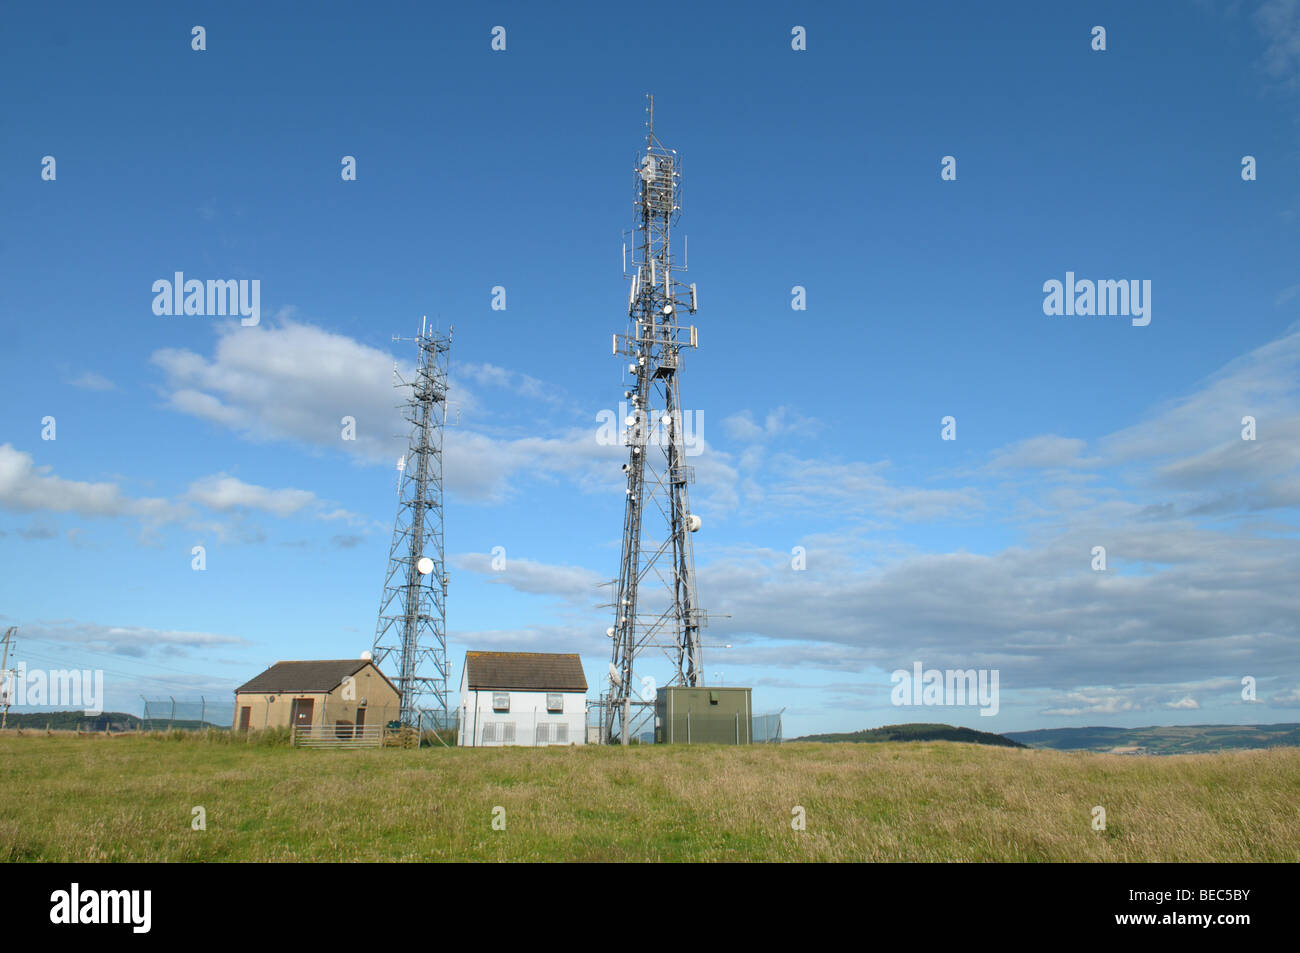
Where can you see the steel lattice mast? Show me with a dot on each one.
(413, 610)
(656, 605)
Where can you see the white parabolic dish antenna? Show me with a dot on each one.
(425, 565)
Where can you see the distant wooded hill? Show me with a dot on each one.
(919, 732)
(69, 720)
(1180, 739)
(80, 721)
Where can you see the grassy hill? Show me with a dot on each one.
(106, 721)
(73, 720)
(919, 732)
(1180, 739)
(132, 798)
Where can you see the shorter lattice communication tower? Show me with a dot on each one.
(413, 610)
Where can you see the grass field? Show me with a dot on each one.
(65, 798)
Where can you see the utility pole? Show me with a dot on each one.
(6, 678)
(656, 604)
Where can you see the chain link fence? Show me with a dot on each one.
(486, 729)
(343, 719)
(186, 714)
(767, 728)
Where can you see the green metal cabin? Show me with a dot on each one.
(712, 716)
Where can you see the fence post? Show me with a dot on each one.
(737, 727)
(144, 722)
(688, 727)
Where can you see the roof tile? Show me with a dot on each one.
(311, 676)
(525, 671)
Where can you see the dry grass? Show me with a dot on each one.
(130, 799)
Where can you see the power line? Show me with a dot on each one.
(141, 676)
(112, 655)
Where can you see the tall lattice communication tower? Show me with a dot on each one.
(413, 609)
(656, 605)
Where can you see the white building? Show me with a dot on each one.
(522, 698)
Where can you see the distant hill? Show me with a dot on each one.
(1179, 739)
(919, 732)
(80, 721)
(70, 720)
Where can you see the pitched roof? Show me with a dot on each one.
(313, 676)
(525, 671)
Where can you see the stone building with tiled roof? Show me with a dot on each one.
(340, 693)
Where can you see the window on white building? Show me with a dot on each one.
(554, 701)
(500, 701)
(499, 732)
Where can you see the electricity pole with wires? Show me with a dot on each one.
(6, 678)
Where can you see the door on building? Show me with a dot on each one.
(245, 717)
(361, 719)
(302, 712)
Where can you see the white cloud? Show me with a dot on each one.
(1094, 702)
(1208, 604)
(1279, 22)
(1263, 384)
(1286, 294)
(296, 382)
(26, 487)
(1289, 698)
(778, 422)
(223, 492)
(1045, 452)
(92, 381)
(796, 485)
(226, 493)
(540, 638)
(290, 382)
(572, 583)
(491, 375)
(1188, 456)
(132, 641)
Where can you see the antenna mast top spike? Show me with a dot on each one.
(650, 135)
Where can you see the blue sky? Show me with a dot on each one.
(818, 168)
